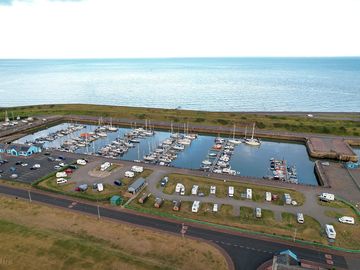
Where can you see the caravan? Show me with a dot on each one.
(194, 190)
(195, 207)
(249, 193)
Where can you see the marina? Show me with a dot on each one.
(177, 149)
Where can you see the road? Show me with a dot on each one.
(246, 252)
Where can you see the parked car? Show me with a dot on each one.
(51, 159)
(94, 186)
(57, 167)
(118, 182)
(62, 164)
(61, 157)
(24, 164)
(12, 169)
(1, 171)
(164, 181)
(61, 181)
(47, 154)
(74, 167)
(347, 220)
(18, 162)
(14, 175)
(201, 194)
(81, 162)
(37, 165)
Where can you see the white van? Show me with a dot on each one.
(215, 207)
(129, 174)
(61, 174)
(137, 169)
(231, 191)
(327, 197)
(268, 196)
(194, 190)
(347, 220)
(195, 207)
(300, 218)
(81, 162)
(61, 181)
(330, 231)
(249, 193)
(100, 187)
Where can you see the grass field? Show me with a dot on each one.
(90, 194)
(222, 188)
(244, 218)
(323, 123)
(39, 237)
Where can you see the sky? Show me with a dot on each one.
(178, 28)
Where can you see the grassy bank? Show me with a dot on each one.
(40, 237)
(338, 124)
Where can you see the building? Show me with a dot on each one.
(136, 186)
(20, 149)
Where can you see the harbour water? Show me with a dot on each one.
(215, 84)
(248, 160)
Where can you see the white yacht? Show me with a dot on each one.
(233, 140)
(253, 141)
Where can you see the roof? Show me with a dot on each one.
(137, 184)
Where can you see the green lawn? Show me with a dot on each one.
(327, 124)
(222, 188)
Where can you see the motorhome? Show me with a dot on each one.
(194, 190)
(249, 193)
(137, 169)
(195, 207)
(327, 197)
(105, 166)
(348, 220)
(215, 207)
(129, 174)
(258, 212)
(231, 191)
(287, 198)
(330, 231)
(213, 190)
(300, 218)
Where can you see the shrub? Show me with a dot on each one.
(222, 121)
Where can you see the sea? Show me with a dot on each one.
(208, 84)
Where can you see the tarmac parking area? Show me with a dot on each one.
(25, 173)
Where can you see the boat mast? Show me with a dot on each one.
(245, 132)
(252, 135)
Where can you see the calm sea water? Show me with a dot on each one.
(217, 84)
(248, 160)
